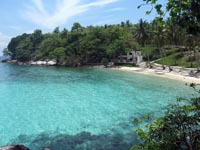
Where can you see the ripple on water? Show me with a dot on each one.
(47, 106)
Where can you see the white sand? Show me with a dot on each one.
(181, 76)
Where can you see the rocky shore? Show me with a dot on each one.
(174, 72)
(34, 63)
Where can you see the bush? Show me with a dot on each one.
(104, 62)
(178, 129)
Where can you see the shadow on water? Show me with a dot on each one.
(80, 141)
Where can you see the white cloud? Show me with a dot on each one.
(4, 40)
(100, 3)
(116, 9)
(64, 10)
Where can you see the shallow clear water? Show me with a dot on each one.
(71, 108)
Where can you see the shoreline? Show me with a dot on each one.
(179, 76)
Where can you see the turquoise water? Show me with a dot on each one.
(66, 108)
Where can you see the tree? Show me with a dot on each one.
(5, 52)
(142, 35)
(56, 30)
(24, 48)
(177, 129)
(23, 55)
(12, 45)
(175, 33)
(37, 55)
(186, 14)
(141, 32)
(58, 54)
(50, 43)
(128, 24)
(77, 27)
(105, 62)
(76, 47)
(64, 33)
(183, 12)
(36, 38)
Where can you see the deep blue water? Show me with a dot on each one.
(78, 108)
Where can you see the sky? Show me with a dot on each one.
(24, 16)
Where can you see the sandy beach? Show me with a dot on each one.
(181, 76)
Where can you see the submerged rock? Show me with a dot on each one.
(14, 147)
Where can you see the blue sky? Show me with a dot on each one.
(20, 16)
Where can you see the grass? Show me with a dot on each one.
(148, 48)
(174, 60)
(126, 65)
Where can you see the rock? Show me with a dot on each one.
(41, 62)
(33, 63)
(14, 147)
(51, 63)
(12, 61)
(4, 60)
(20, 63)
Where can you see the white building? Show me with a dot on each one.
(132, 57)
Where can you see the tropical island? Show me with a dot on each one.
(160, 47)
(169, 46)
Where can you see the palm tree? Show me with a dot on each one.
(159, 34)
(141, 32)
(142, 36)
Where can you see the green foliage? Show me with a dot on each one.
(104, 62)
(56, 30)
(89, 45)
(77, 27)
(177, 59)
(177, 129)
(58, 54)
(183, 12)
(126, 65)
(5, 52)
(23, 55)
(76, 47)
(141, 32)
(37, 55)
(181, 28)
(136, 121)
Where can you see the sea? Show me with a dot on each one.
(79, 108)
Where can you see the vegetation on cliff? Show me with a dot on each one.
(81, 45)
(171, 44)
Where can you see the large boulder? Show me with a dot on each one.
(33, 63)
(51, 63)
(12, 61)
(41, 62)
(14, 147)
